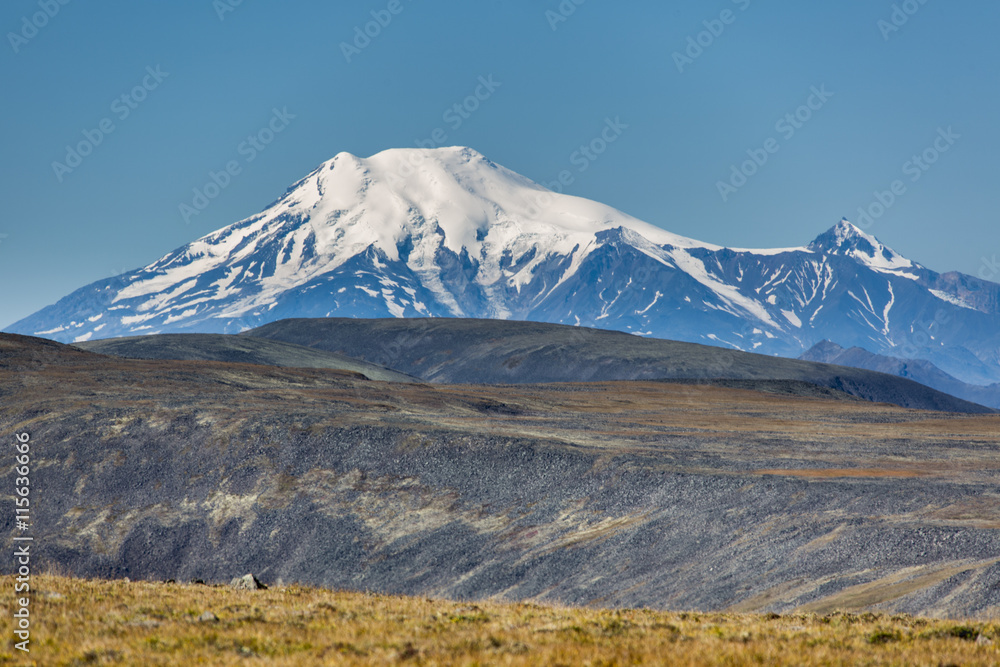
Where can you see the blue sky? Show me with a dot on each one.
(187, 87)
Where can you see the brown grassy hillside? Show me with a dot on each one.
(97, 622)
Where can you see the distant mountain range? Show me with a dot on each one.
(448, 233)
(917, 370)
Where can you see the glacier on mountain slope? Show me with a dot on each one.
(446, 232)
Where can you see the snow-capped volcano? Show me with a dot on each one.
(402, 206)
(447, 233)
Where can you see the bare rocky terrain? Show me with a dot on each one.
(610, 493)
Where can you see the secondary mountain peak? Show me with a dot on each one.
(847, 239)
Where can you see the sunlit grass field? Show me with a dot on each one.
(94, 622)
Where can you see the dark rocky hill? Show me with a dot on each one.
(237, 349)
(496, 352)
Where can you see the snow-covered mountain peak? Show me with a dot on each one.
(454, 192)
(848, 240)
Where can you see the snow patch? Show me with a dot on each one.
(952, 299)
(646, 309)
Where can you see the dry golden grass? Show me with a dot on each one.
(79, 622)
